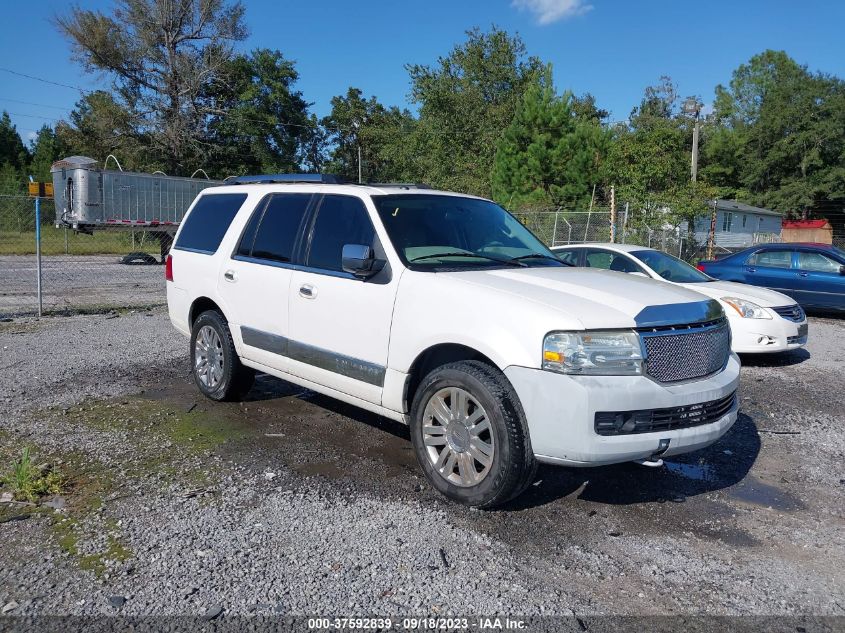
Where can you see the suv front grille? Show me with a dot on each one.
(653, 420)
(686, 352)
(791, 313)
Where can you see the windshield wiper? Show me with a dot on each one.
(508, 262)
(533, 255)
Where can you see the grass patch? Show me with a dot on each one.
(28, 482)
(100, 243)
(194, 431)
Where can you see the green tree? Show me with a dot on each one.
(780, 141)
(99, 126)
(465, 102)
(549, 155)
(650, 161)
(160, 54)
(356, 122)
(259, 122)
(12, 150)
(46, 148)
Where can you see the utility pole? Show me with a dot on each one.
(357, 125)
(692, 106)
(695, 150)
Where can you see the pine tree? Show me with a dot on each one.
(548, 155)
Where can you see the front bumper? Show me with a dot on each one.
(561, 409)
(760, 336)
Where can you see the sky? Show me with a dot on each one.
(610, 48)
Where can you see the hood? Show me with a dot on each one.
(761, 296)
(596, 298)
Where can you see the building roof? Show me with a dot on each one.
(806, 224)
(733, 205)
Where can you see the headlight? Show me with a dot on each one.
(616, 353)
(746, 309)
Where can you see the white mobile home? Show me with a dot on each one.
(739, 225)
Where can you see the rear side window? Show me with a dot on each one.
(208, 221)
(771, 259)
(278, 228)
(340, 220)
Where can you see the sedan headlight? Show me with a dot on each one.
(612, 353)
(746, 309)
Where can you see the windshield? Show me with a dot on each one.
(671, 268)
(454, 232)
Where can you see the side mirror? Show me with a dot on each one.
(842, 270)
(359, 260)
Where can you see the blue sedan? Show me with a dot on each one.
(812, 274)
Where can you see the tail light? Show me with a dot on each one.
(699, 266)
(168, 267)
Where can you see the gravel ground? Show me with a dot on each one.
(291, 503)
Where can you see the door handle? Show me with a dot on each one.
(803, 274)
(230, 275)
(308, 291)
(751, 269)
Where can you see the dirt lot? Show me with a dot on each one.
(292, 503)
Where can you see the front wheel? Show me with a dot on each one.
(470, 436)
(217, 370)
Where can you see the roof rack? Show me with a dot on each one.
(399, 185)
(328, 179)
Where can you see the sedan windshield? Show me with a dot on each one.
(671, 268)
(434, 232)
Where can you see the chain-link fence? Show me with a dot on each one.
(559, 228)
(118, 269)
(79, 272)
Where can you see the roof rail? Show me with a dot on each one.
(399, 185)
(328, 179)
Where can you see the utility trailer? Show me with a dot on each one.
(90, 198)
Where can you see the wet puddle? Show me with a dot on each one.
(752, 490)
(695, 472)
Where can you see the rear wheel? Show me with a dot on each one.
(217, 370)
(470, 436)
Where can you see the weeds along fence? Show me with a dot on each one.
(79, 273)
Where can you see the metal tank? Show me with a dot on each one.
(89, 198)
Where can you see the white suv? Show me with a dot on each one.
(442, 311)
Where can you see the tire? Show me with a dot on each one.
(215, 365)
(466, 394)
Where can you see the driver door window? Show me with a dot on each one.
(340, 220)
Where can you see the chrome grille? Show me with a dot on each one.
(686, 352)
(791, 313)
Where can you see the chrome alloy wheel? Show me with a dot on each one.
(458, 437)
(208, 357)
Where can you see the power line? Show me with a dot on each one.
(609, 124)
(42, 80)
(40, 105)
